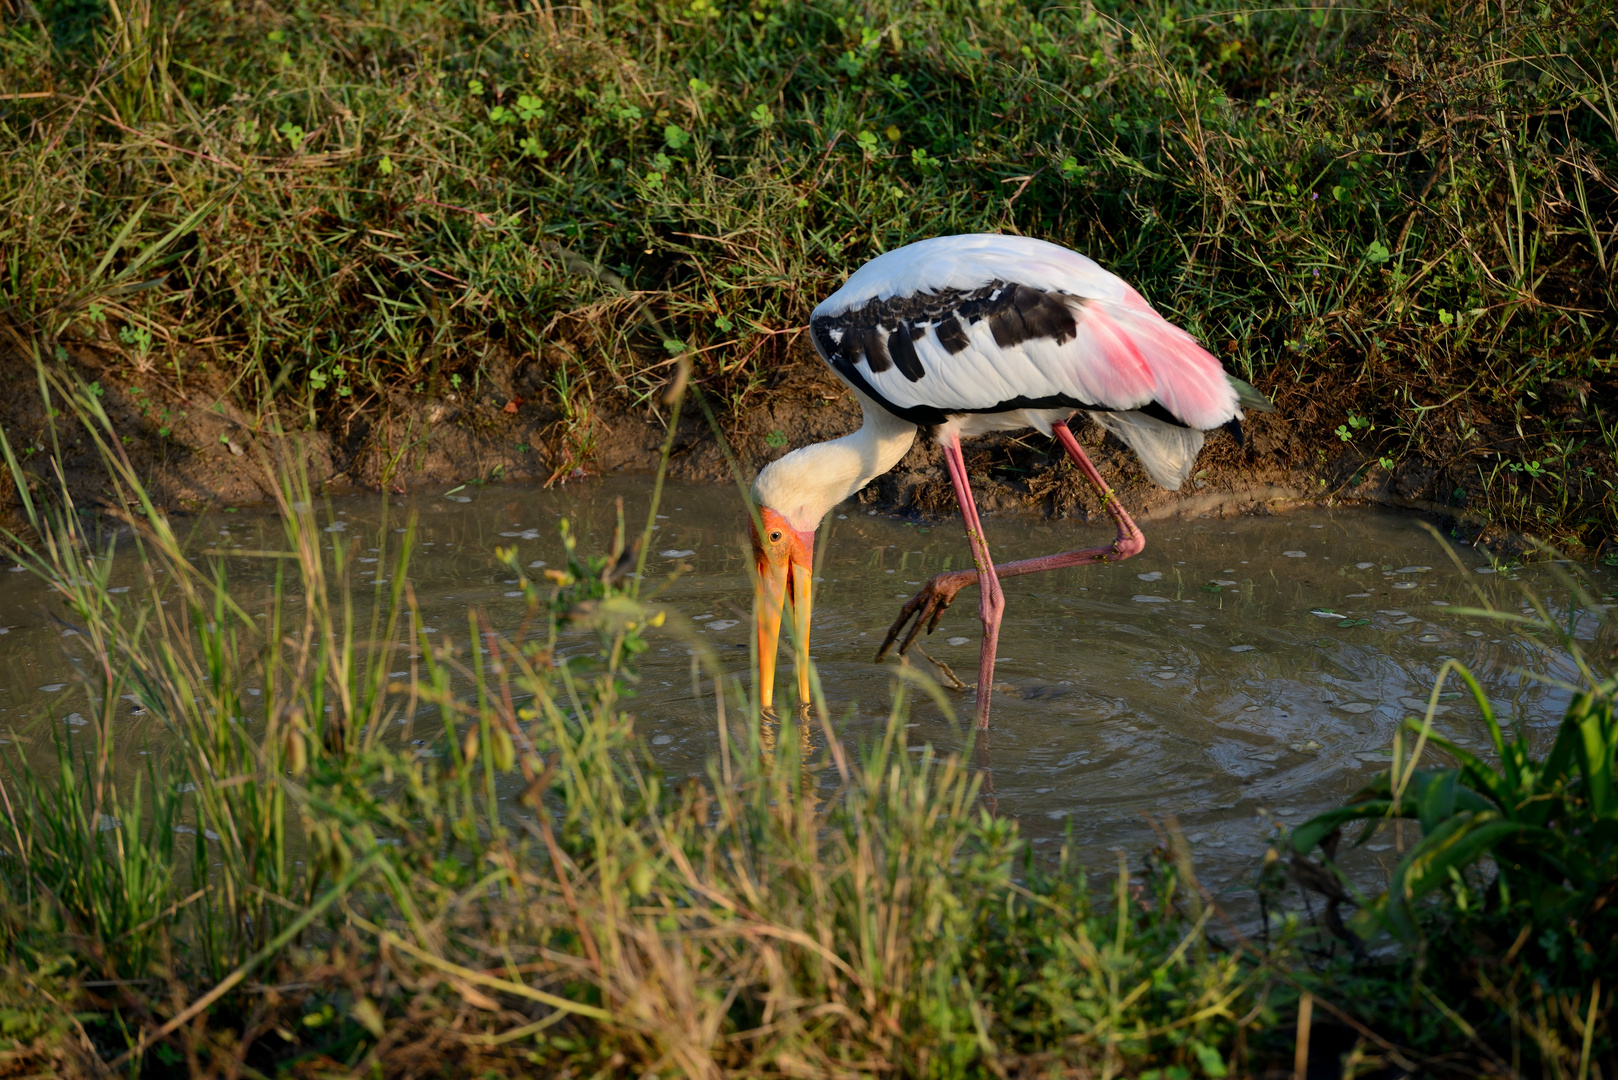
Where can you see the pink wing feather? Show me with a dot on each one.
(1120, 356)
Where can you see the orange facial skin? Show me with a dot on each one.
(785, 558)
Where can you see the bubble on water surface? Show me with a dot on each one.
(1474, 633)
(662, 740)
(536, 564)
(1364, 565)
(1412, 570)
(1165, 674)
(1430, 638)
(1404, 584)
(337, 526)
(1243, 648)
(1296, 554)
(1141, 598)
(723, 624)
(957, 641)
(1154, 575)
(51, 688)
(676, 553)
(76, 719)
(514, 592)
(1407, 620)
(1484, 570)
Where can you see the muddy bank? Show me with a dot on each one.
(196, 446)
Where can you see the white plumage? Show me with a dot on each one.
(980, 333)
(966, 262)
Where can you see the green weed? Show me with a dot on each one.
(1505, 901)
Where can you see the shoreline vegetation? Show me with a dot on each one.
(452, 855)
(466, 240)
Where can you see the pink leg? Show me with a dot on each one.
(929, 604)
(991, 600)
(1130, 540)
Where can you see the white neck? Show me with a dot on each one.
(805, 484)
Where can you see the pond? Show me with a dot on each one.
(1239, 673)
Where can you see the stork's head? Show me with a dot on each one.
(785, 557)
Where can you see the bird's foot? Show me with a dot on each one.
(926, 607)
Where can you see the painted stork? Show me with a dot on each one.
(963, 335)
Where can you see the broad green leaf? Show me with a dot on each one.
(1457, 844)
(1595, 747)
(1435, 802)
(1478, 773)
(1458, 796)
(1306, 836)
(1428, 864)
(1212, 1064)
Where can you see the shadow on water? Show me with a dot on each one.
(1238, 674)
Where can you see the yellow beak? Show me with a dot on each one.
(785, 579)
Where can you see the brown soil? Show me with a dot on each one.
(195, 448)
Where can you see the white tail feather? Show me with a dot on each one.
(1168, 452)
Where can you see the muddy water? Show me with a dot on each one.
(1238, 674)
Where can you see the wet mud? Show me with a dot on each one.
(196, 447)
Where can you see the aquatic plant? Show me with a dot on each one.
(1507, 900)
(1548, 824)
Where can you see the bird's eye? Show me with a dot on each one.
(775, 537)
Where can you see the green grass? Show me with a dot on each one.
(293, 887)
(800, 911)
(1406, 216)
